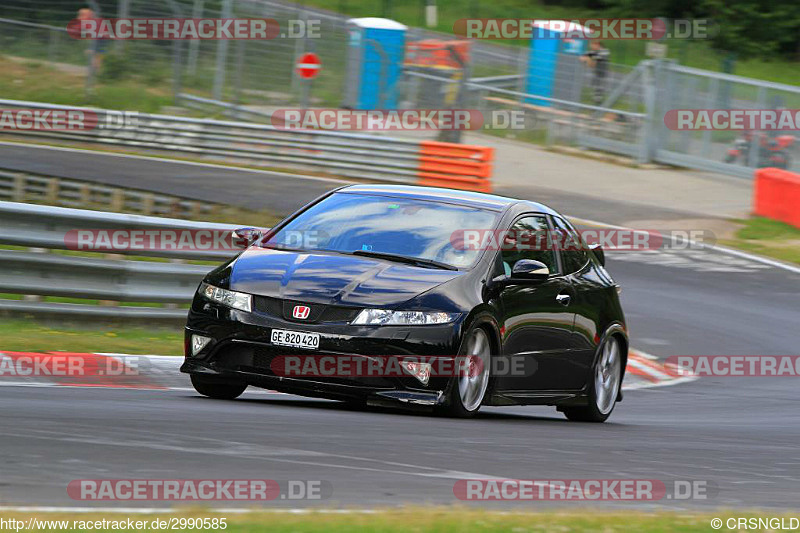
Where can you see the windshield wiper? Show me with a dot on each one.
(417, 261)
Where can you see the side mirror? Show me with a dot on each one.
(528, 270)
(598, 252)
(248, 235)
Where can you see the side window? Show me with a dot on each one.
(529, 238)
(574, 251)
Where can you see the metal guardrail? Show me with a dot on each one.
(350, 155)
(51, 190)
(32, 272)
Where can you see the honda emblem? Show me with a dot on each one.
(301, 312)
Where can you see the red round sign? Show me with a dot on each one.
(308, 65)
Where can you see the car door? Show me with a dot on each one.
(592, 290)
(537, 319)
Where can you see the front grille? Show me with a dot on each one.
(258, 359)
(262, 359)
(339, 314)
(268, 306)
(320, 313)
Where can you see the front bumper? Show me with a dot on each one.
(241, 351)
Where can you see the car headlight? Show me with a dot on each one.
(385, 317)
(237, 300)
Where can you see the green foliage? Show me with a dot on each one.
(750, 28)
(115, 67)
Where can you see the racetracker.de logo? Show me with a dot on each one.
(628, 240)
(133, 240)
(393, 120)
(192, 490)
(733, 119)
(398, 366)
(735, 365)
(48, 119)
(174, 28)
(582, 490)
(606, 29)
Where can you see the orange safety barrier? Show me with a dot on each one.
(777, 195)
(455, 166)
(437, 53)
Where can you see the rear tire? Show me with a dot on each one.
(467, 392)
(216, 389)
(603, 387)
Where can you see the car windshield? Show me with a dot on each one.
(360, 223)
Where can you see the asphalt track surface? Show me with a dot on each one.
(741, 435)
(255, 189)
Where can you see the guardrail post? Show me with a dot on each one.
(86, 194)
(147, 204)
(19, 188)
(51, 194)
(117, 200)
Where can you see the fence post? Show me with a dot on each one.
(299, 50)
(92, 52)
(711, 101)
(651, 108)
(222, 53)
(176, 56)
(52, 45)
(522, 70)
(194, 44)
(454, 136)
(755, 142)
(123, 12)
(237, 99)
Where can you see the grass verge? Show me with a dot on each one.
(31, 336)
(767, 237)
(39, 82)
(433, 519)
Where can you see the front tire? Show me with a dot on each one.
(468, 391)
(216, 389)
(604, 386)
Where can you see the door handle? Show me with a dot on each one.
(563, 299)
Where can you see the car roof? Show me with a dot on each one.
(453, 196)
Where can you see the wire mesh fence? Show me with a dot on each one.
(571, 103)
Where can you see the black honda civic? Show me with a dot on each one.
(403, 295)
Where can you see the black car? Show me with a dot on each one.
(384, 271)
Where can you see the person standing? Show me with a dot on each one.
(98, 47)
(597, 58)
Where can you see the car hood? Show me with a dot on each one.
(331, 278)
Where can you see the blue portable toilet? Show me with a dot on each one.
(374, 63)
(554, 66)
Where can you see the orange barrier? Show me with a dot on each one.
(455, 166)
(437, 53)
(777, 195)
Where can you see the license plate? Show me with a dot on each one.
(295, 339)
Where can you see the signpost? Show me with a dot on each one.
(307, 67)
